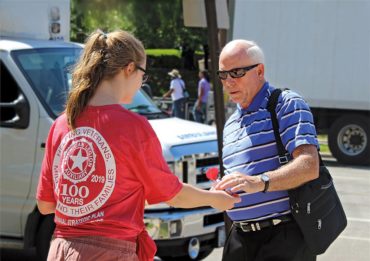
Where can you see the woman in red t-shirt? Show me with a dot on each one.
(102, 162)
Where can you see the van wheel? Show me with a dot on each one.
(43, 236)
(349, 139)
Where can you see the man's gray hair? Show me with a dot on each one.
(251, 49)
(255, 53)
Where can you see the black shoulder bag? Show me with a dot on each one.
(315, 205)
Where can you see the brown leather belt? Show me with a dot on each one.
(250, 226)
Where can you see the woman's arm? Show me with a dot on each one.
(46, 207)
(191, 197)
(200, 96)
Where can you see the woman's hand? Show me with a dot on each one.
(222, 200)
(237, 181)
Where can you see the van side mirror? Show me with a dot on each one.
(15, 114)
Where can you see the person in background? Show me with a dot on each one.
(102, 162)
(262, 225)
(200, 106)
(176, 91)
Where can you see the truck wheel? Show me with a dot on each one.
(349, 139)
(43, 236)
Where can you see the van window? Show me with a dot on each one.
(9, 99)
(48, 71)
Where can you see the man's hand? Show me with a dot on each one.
(237, 181)
(303, 168)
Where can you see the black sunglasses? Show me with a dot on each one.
(236, 72)
(145, 75)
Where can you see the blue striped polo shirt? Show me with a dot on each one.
(249, 147)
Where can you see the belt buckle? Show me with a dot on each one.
(254, 226)
(244, 226)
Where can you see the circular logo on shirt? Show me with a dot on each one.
(84, 172)
(78, 161)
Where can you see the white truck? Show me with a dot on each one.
(320, 49)
(35, 78)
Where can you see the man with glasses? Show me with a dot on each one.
(262, 225)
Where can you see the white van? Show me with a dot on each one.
(35, 79)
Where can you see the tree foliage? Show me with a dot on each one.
(157, 23)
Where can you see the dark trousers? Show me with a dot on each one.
(283, 242)
(178, 108)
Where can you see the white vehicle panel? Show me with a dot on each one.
(312, 48)
(41, 19)
(17, 160)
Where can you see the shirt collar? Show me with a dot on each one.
(257, 100)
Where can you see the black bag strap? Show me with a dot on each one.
(284, 155)
(271, 106)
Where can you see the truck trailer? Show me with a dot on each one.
(319, 49)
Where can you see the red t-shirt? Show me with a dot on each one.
(101, 174)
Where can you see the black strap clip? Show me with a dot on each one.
(284, 159)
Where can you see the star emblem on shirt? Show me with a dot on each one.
(78, 160)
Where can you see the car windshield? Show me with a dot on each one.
(142, 104)
(49, 73)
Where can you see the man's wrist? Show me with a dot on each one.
(265, 179)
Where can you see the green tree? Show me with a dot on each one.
(107, 15)
(158, 23)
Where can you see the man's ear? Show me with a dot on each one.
(261, 71)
